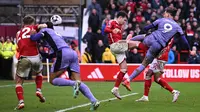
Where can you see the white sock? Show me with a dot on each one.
(38, 89)
(173, 91)
(115, 88)
(21, 101)
(128, 79)
(145, 96)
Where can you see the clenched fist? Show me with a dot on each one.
(116, 30)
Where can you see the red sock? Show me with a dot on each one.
(147, 86)
(119, 78)
(19, 91)
(38, 81)
(165, 85)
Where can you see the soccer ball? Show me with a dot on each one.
(56, 19)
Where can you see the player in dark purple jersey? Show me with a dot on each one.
(66, 59)
(157, 40)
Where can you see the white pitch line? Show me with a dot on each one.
(86, 104)
(11, 85)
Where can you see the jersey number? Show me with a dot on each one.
(167, 28)
(24, 35)
(25, 32)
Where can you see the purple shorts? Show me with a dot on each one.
(66, 59)
(154, 46)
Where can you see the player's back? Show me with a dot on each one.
(54, 39)
(167, 28)
(26, 47)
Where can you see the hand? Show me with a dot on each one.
(193, 53)
(42, 26)
(33, 31)
(129, 37)
(116, 30)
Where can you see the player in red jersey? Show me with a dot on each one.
(115, 30)
(29, 60)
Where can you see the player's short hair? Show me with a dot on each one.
(122, 14)
(27, 20)
(171, 11)
(49, 25)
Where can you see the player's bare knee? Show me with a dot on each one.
(38, 73)
(51, 81)
(19, 80)
(148, 75)
(75, 76)
(161, 72)
(18, 85)
(156, 78)
(123, 70)
(145, 62)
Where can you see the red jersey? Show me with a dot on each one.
(143, 5)
(112, 38)
(132, 5)
(26, 47)
(164, 53)
(138, 18)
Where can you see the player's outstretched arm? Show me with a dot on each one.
(37, 36)
(186, 42)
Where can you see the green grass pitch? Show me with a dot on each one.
(58, 98)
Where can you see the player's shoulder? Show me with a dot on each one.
(112, 21)
(31, 26)
(160, 19)
(46, 30)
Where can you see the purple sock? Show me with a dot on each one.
(138, 38)
(63, 82)
(87, 93)
(136, 72)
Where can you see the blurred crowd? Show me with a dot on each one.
(141, 13)
(7, 51)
